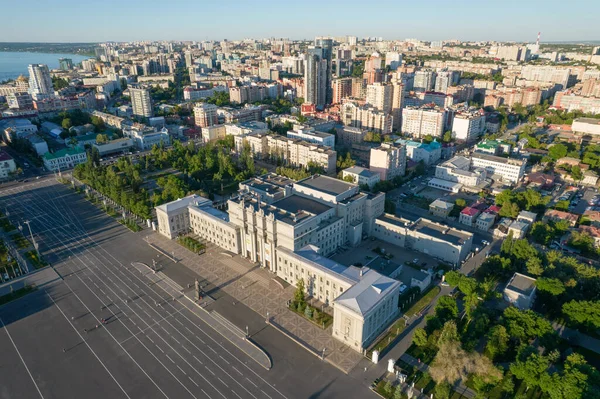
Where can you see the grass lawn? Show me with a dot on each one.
(16, 294)
(423, 302)
(130, 224)
(35, 260)
(321, 319)
(192, 244)
(6, 225)
(417, 201)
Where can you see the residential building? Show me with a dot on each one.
(486, 220)
(205, 115)
(508, 169)
(7, 165)
(380, 96)
(589, 126)
(214, 132)
(556, 216)
(366, 117)
(423, 121)
(361, 176)
(527, 217)
(316, 76)
(570, 102)
(310, 135)
(254, 93)
(19, 101)
(389, 160)
(441, 208)
(469, 216)
(350, 135)
(468, 126)
(109, 119)
(342, 88)
(296, 152)
(40, 82)
(141, 102)
(174, 217)
(64, 159)
(520, 291)
(424, 80)
(145, 137)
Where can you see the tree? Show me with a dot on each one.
(98, 123)
(427, 139)
(442, 390)
(558, 151)
(509, 210)
(562, 206)
(460, 202)
(534, 266)
(299, 293)
(582, 241)
(446, 308)
(453, 278)
(497, 343)
(449, 333)
(420, 337)
(583, 313)
(552, 286)
(101, 139)
(398, 393)
(66, 123)
(530, 367)
(576, 173)
(452, 363)
(388, 388)
(447, 138)
(504, 196)
(525, 325)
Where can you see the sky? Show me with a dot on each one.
(130, 20)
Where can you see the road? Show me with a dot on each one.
(151, 347)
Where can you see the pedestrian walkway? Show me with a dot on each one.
(38, 278)
(254, 287)
(177, 292)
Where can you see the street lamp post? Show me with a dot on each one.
(28, 223)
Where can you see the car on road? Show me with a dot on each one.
(416, 260)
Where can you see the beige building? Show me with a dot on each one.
(366, 117)
(380, 96)
(342, 88)
(520, 291)
(174, 217)
(508, 169)
(361, 176)
(141, 102)
(213, 225)
(296, 152)
(440, 208)
(389, 160)
(205, 115)
(422, 121)
(214, 132)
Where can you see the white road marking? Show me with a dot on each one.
(194, 382)
(172, 361)
(209, 370)
(181, 370)
(24, 364)
(225, 360)
(199, 361)
(223, 382)
(250, 381)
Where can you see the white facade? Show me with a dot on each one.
(40, 82)
(423, 121)
(213, 225)
(141, 102)
(205, 115)
(380, 96)
(458, 170)
(468, 127)
(7, 165)
(311, 136)
(511, 170)
(174, 217)
(362, 176)
(64, 159)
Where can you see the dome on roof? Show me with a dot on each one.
(22, 78)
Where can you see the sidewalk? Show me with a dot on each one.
(254, 287)
(39, 278)
(216, 321)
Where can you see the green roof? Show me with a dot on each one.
(488, 144)
(62, 153)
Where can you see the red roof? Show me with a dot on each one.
(493, 209)
(470, 211)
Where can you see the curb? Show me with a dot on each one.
(246, 339)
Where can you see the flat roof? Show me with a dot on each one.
(326, 184)
(183, 203)
(494, 158)
(522, 284)
(309, 255)
(295, 203)
(358, 170)
(444, 233)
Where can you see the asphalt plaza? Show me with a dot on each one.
(151, 345)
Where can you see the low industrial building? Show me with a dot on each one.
(361, 176)
(441, 208)
(508, 169)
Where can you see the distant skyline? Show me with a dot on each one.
(135, 20)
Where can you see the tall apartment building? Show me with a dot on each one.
(445, 79)
(548, 74)
(422, 121)
(342, 88)
(40, 82)
(380, 96)
(571, 102)
(389, 160)
(393, 60)
(326, 44)
(359, 88)
(424, 80)
(205, 115)
(397, 103)
(366, 117)
(315, 77)
(65, 64)
(509, 53)
(141, 102)
(254, 93)
(468, 126)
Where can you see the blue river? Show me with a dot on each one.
(13, 64)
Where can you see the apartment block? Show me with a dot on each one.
(297, 152)
(422, 121)
(366, 117)
(361, 176)
(389, 160)
(468, 126)
(205, 115)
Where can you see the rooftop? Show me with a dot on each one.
(438, 203)
(470, 211)
(367, 292)
(360, 171)
(4, 156)
(326, 184)
(521, 284)
(64, 152)
(193, 199)
(295, 203)
(494, 158)
(441, 232)
(327, 265)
